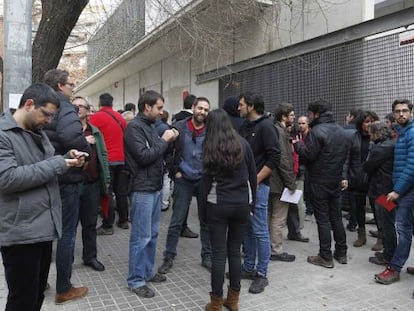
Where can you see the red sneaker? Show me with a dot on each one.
(387, 276)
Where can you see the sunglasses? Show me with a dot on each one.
(72, 85)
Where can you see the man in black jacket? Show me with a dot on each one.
(324, 152)
(144, 151)
(65, 133)
(260, 133)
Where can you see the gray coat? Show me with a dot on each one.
(30, 206)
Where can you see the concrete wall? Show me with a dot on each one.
(162, 66)
(171, 77)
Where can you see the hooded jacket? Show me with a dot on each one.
(231, 106)
(324, 151)
(30, 205)
(262, 138)
(379, 168)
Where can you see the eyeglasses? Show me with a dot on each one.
(72, 85)
(399, 111)
(47, 114)
(77, 107)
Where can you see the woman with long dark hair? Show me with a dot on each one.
(228, 191)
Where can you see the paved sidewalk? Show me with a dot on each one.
(292, 286)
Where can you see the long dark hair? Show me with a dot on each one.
(222, 149)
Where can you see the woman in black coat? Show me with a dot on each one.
(379, 166)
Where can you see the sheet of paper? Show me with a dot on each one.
(291, 197)
(14, 100)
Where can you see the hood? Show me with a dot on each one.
(326, 117)
(250, 124)
(231, 105)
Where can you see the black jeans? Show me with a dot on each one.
(360, 203)
(325, 202)
(226, 226)
(26, 268)
(120, 187)
(88, 214)
(293, 223)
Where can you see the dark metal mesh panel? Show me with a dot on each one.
(121, 32)
(359, 74)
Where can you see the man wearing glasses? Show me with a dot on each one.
(403, 190)
(65, 133)
(186, 170)
(30, 204)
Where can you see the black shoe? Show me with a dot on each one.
(166, 266)
(351, 227)
(158, 278)
(187, 233)
(143, 291)
(123, 225)
(373, 233)
(258, 285)
(244, 274)
(299, 237)
(341, 259)
(319, 261)
(95, 265)
(282, 257)
(378, 261)
(206, 263)
(105, 230)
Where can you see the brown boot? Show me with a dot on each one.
(362, 238)
(378, 245)
(72, 294)
(216, 303)
(232, 301)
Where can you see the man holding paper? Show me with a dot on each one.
(281, 178)
(324, 152)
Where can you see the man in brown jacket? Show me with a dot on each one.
(283, 177)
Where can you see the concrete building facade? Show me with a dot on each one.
(173, 55)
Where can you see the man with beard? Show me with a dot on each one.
(403, 190)
(30, 209)
(283, 177)
(186, 170)
(261, 135)
(323, 153)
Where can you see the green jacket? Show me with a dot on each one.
(104, 174)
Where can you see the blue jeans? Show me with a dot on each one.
(257, 240)
(70, 194)
(183, 192)
(405, 229)
(145, 223)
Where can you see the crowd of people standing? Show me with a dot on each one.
(61, 163)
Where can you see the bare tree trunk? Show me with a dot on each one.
(58, 19)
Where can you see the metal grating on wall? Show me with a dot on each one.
(121, 32)
(366, 74)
